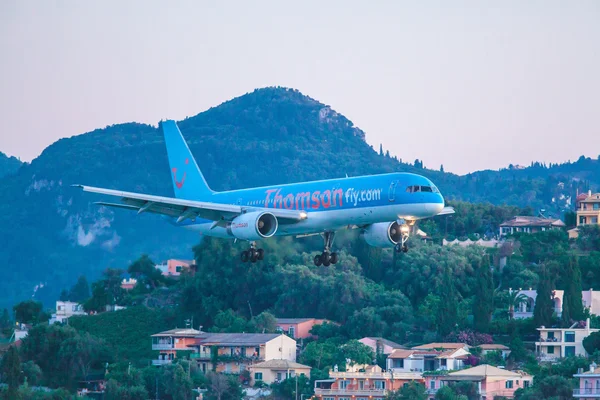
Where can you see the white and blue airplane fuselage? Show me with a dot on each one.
(383, 206)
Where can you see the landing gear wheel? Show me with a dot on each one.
(253, 255)
(245, 256)
(317, 260)
(334, 258)
(326, 259)
(260, 254)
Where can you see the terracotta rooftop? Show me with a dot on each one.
(236, 339)
(292, 320)
(493, 347)
(386, 342)
(444, 346)
(533, 221)
(279, 364)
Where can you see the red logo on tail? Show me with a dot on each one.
(179, 184)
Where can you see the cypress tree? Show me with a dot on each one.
(544, 306)
(447, 313)
(380, 149)
(572, 300)
(483, 306)
(11, 370)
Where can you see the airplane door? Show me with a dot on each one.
(392, 191)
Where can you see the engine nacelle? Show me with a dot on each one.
(383, 234)
(254, 226)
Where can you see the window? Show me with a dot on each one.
(426, 189)
(292, 332)
(258, 376)
(582, 220)
(569, 351)
(443, 362)
(596, 206)
(381, 384)
(343, 384)
(398, 363)
(509, 384)
(551, 350)
(526, 384)
(432, 385)
(550, 335)
(594, 220)
(279, 376)
(570, 337)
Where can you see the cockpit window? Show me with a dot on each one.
(420, 188)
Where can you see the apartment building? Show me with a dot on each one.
(590, 298)
(168, 343)
(524, 224)
(589, 383)
(235, 352)
(362, 382)
(491, 382)
(588, 211)
(64, 310)
(555, 343)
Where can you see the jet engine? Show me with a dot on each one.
(254, 226)
(383, 234)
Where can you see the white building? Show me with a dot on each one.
(66, 309)
(416, 360)
(590, 298)
(555, 343)
(381, 345)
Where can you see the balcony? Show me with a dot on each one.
(162, 346)
(161, 362)
(587, 393)
(351, 392)
(203, 355)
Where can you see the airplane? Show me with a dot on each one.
(385, 207)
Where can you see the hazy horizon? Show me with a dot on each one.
(470, 86)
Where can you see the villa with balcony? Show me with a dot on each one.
(555, 343)
(491, 382)
(588, 212)
(589, 383)
(590, 298)
(169, 342)
(360, 381)
(429, 357)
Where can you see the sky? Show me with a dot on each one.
(468, 84)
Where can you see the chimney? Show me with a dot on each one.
(590, 192)
(592, 367)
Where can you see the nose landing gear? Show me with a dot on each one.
(253, 254)
(327, 258)
(405, 233)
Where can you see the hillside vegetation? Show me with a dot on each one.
(51, 233)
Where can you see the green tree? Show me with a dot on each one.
(514, 299)
(264, 322)
(178, 385)
(80, 291)
(33, 373)
(447, 313)
(544, 306)
(29, 312)
(5, 322)
(591, 344)
(11, 369)
(412, 391)
(357, 353)
(145, 271)
(572, 301)
(483, 306)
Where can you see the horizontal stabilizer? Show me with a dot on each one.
(447, 211)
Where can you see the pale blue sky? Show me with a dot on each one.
(466, 84)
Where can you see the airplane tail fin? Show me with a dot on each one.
(188, 181)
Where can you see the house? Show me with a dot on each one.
(591, 301)
(273, 371)
(362, 382)
(434, 359)
(168, 343)
(381, 345)
(555, 343)
(588, 211)
(488, 348)
(64, 310)
(442, 346)
(589, 383)
(529, 225)
(298, 328)
(174, 267)
(235, 352)
(491, 382)
(21, 331)
(128, 284)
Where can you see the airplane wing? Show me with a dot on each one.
(446, 211)
(186, 209)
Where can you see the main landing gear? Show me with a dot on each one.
(404, 235)
(252, 254)
(326, 258)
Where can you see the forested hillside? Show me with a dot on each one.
(8, 165)
(52, 232)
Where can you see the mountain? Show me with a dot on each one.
(8, 165)
(51, 232)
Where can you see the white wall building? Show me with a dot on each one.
(555, 343)
(66, 309)
(590, 298)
